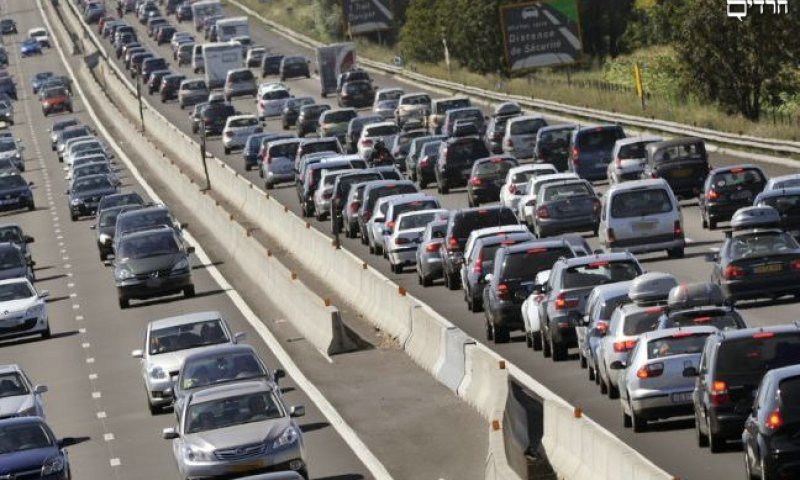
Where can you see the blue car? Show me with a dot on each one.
(30, 446)
(30, 47)
(15, 192)
(39, 79)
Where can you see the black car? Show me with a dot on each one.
(106, 226)
(136, 62)
(454, 165)
(341, 190)
(294, 67)
(150, 65)
(154, 80)
(152, 263)
(402, 144)
(15, 192)
(40, 452)
(308, 119)
(480, 262)
(495, 131)
(460, 224)
(271, 65)
(215, 116)
(8, 26)
(787, 202)
(12, 233)
(426, 162)
(183, 13)
(552, 145)
(291, 110)
(488, 175)
(86, 192)
(372, 193)
(682, 162)
(770, 440)
(728, 189)
(8, 87)
(357, 94)
(731, 367)
(170, 85)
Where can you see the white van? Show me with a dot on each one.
(642, 216)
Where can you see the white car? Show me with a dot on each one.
(237, 129)
(18, 396)
(87, 144)
(254, 56)
(23, 310)
(372, 134)
(272, 101)
(12, 150)
(783, 181)
(628, 158)
(527, 203)
(169, 341)
(396, 206)
(532, 310)
(41, 35)
(402, 244)
(517, 180)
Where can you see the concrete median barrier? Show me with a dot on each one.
(485, 384)
(450, 368)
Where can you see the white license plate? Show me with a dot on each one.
(644, 226)
(684, 397)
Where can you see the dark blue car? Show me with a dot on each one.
(8, 87)
(15, 192)
(86, 192)
(30, 47)
(31, 450)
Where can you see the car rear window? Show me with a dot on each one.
(414, 206)
(639, 203)
(288, 150)
(683, 151)
(385, 191)
(599, 140)
(745, 360)
(431, 148)
(633, 150)
(465, 222)
(443, 106)
(416, 100)
(789, 392)
(495, 167)
(599, 273)
(679, 344)
(555, 193)
(357, 87)
(761, 244)
(241, 76)
(275, 95)
(340, 116)
(527, 127)
(244, 122)
(380, 131)
(323, 146)
(154, 64)
(527, 263)
(639, 322)
(466, 151)
(721, 319)
(738, 177)
(416, 221)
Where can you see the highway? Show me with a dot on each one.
(671, 444)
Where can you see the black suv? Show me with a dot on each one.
(215, 116)
(454, 165)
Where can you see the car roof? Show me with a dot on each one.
(409, 198)
(242, 117)
(783, 372)
(676, 141)
(522, 118)
(612, 290)
(231, 390)
(531, 168)
(10, 368)
(598, 257)
(185, 319)
(638, 185)
(669, 332)
(749, 332)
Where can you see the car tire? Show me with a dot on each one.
(613, 392)
(715, 443)
(47, 333)
(546, 350)
(584, 362)
(489, 332)
(154, 409)
(559, 351)
(397, 268)
(501, 334)
(592, 375)
(189, 292)
(529, 339)
(268, 185)
(638, 424)
(445, 188)
(603, 384)
(712, 224)
(73, 217)
(422, 184)
(677, 252)
(453, 282)
(626, 420)
(103, 257)
(124, 302)
(227, 150)
(426, 281)
(536, 341)
(31, 206)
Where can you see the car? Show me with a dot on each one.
(323, 146)
(726, 190)
(8, 26)
(456, 157)
(485, 179)
(152, 263)
(428, 254)
(323, 194)
(385, 108)
(260, 412)
(215, 116)
(251, 150)
(276, 158)
(237, 129)
(25, 307)
(86, 192)
(11, 149)
(38, 80)
(352, 206)
(169, 341)
(372, 133)
(239, 82)
(628, 158)
(440, 107)
(106, 225)
(170, 85)
(312, 178)
(272, 102)
(732, 366)
(183, 53)
(373, 191)
(700, 304)
(566, 206)
(653, 383)
(590, 150)
(569, 285)
(6, 112)
(480, 261)
(519, 138)
(460, 225)
(341, 203)
(56, 81)
(271, 64)
(768, 440)
(426, 163)
(356, 94)
(154, 80)
(192, 91)
(469, 114)
(119, 199)
(412, 108)
(164, 34)
(83, 147)
(382, 224)
(402, 143)
(414, 154)
(68, 133)
(13, 233)
(642, 216)
(18, 396)
(32, 446)
(786, 201)
(147, 218)
(334, 123)
(30, 47)
(254, 56)
(92, 167)
(3, 56)
(488, 232)
(151, 65)
(516, 182)
(682, 162)
(648, 294)
(137, 59)
(40, 35)
(783, 181)
(496, 129)
(56, 99)
(354, 129)
(293, 67)
(291, 110)
(15, 192)
(57, 127)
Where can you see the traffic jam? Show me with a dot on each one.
(551, 245)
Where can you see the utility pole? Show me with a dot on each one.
(203, 152)
(139, 98)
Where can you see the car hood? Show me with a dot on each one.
(239, 435)
(15, 272)
(12, 405)
(10, 153)
(140, 266)
(93, 193)
(13, 306)
(25, 460)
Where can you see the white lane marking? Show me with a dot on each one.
(108, 437)
(70, 285)
(92, 376)
(65, 258)
(81, 330)
(347, 433)
(79, 318)
(90, 360)
(67, 265)
(102, 415)
(75, 306)
(96, 395)
(86, 345)
(115, 462)
(59, 237)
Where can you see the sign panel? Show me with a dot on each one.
(364, 16)
(541, 34)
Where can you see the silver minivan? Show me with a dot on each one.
(240, 82)
(519, 139)
(277, 166)
(628, 158)
(198, 62)
(642, 216)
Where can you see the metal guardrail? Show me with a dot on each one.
(767, 145)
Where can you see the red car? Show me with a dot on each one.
(56, 99)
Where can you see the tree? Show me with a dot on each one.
(328, 19)
(738, 63)
(420, 36)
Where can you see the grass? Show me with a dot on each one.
(604, 87)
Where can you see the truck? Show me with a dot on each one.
(230, 28)
(203, 9)
(218, 58)
(332, 61)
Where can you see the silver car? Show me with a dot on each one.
(429, 253)
(402, 244)
(653, 383)
(169, 341)
(323, 194)
(628, 158)
(18, 396)
(277, 165)
(192, 91)
(236, 429)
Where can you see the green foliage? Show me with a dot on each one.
(327, 19)
(654, 22)
(420, 36)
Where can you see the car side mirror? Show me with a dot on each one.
(29, 239)
(488, 277)
(67, 442)
(189, 249)
(712, 257)
(297, 411)
(44, 294)
(617, 365)
(169, 433)
(239, 337)
(278, 374)
(137, 354)
(690, 372)
(30, 184)
(40, 389)
(598, 251)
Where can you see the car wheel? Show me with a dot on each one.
(638, 423)
(445, 188)
(584, 363)
(453, 282)
(546, 347)
(613, 392)
(426, 281)
(154, 409)
(31, 206)
(268, 185)
(477, 305)
(371, 249)
(702, 438)
(529, 339)
(704, 221)
(227, 150)
(489, 332)
(712, 224)
(73, 217)
(397, 268)
(422, 184)
(715, 443)
(124, 303)
(47, 334)
(188, 292)
(559, 351)
(501, 334)
(676, 252)
(536, 341)
(592, 375)
(626, 419)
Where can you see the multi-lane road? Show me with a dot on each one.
(671, 445)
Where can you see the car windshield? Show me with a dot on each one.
(743, 361)
(527, 127)
(93, 169)
(381, 131)
(15, 291)
(10, 235)
(186, 336)
(12, 181)
(243, 122)
(599, 273)
(208, 370)
(738, 178)
(555, 193)
(24, 436)
(8, 145)
(339, 116)
(640, 203)
(599, 140)
(10, 258)
(141, 220)
(494, 168)
(150, 245)
(12, 385)
(761, 244)
(122, 199)
(227, 412)
(679, 344)
(87, 184)
(721, 319)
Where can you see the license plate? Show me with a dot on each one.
(772, 268)
(644, 226)
(246, 467)
(684, 397)
(154, 282)
(681, 172)
(743, 195)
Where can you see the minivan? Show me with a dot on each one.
(682, 162)
(519, 138)
(590, 150)
(239, 82)
(198, 62)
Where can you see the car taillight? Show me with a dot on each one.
(618, 162)
(390, 225)
(601, 326)
(512, 189)
(354, 206)
(366, 215)
(510, 142)
(795, 264)
(564, 302)
(229, 134)
(678, 229)
(366, 142)
(542, 212)
(478, 267)
(596, 205)
(719, 393)
(712, 195)
(326, 195)
(452, 244)
(497, 136)
(650, 370)
(575, 153)
(502, 292)
(433, 247)
(402, 241)
(610, 235)
(424, 162)
(475, 182)
(774, 420)
(624, 346)
(733, 271)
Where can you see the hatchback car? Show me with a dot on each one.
(356, 94)
(519, 138)
(237, 129)
(33, 447)
(480, 260)
(291, 110)
(456, 157)
(487, 177)
(106, 226)
(374, 191)
(401, 245)
(277, 161)
(516, 182)
(600, 304)
(24, 307)
(591, 149)
(628, 158)
(85, 194)
(170, 87)
(192, 91)
(238, 83)
(308, 119)
(429, 253)
(728, 189)
(294, 67)
(567, 206)
(682, 162)
(334, 123)
(271, 65)
(18, 396)
(272, 101)
(786, 201)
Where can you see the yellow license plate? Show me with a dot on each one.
(769, 268)
(682, 172)
(246, 467)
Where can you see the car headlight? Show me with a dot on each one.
(288, 437)
(75, 201)
(17, 155)
(181, 265)
(158, 373)
(123, 274)
(197, 455)
(53, 465)
(104, 238)
(34, 311)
